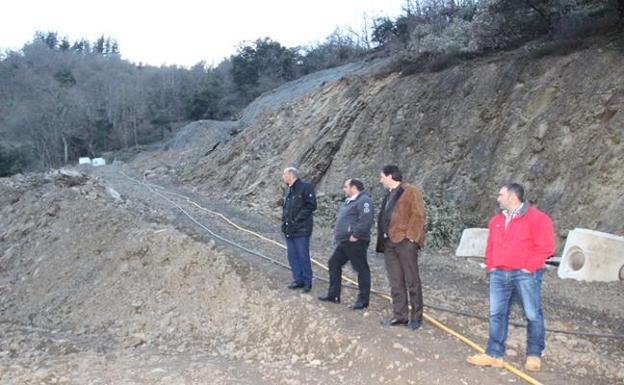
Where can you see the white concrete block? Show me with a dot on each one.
(592, 256)
(472, 243)
(84, 160)
(98, 162)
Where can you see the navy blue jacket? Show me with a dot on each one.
(355, 217)
(299, 204)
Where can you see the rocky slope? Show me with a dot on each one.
(554, 123)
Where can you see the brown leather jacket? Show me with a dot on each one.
(407, 220)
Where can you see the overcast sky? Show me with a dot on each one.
(184, 31)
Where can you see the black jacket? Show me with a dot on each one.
(299, 204)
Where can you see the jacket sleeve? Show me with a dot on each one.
(544, 242)
(309, 204)
(365, 219)
(416, 224)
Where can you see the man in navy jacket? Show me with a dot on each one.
(297, 223)
(352, 234)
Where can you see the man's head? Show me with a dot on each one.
(390, 176)
(352, 187)
(290, 175)
(510, 196)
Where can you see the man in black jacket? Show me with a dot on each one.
(353, 226)
(297, 222)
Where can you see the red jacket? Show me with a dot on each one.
(526, 243)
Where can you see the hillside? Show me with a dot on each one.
(552, 122)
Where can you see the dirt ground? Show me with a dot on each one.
(103, 281)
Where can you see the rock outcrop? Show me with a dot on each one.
(555, 124)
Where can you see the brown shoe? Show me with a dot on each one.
(485, 360)
(533, 364)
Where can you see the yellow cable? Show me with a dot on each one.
(510, 368)
(430, 319)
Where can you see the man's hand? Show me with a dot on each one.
(352, 239)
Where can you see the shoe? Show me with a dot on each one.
(307, 289)
(328, 298)
(393, 322)
(485, 360)
(359, 305)
(294, 285)
(414, 324)
(533, 364)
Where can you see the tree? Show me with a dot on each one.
(383, 30)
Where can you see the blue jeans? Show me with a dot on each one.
(503, 286)
(298, 249)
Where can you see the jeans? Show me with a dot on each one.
(503, 286)
(298, 250)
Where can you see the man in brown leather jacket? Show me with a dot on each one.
(400, 235)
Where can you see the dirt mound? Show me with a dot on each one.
(72, 260)
(86, 288)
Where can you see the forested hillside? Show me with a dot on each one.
(60, 100)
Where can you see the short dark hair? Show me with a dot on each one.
(392, 170)
(516, 189)
(357, 183)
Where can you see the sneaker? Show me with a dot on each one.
(485, 360)
(533, 364)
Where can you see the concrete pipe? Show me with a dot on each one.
(592, 256)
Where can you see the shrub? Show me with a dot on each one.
(557, 48)
(444, 223)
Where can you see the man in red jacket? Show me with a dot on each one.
(520, 240)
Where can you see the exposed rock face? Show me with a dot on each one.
(555, 124)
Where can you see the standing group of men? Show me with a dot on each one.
(520, 240)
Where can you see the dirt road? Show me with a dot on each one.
(102, 288)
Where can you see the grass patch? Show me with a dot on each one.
(431, 62)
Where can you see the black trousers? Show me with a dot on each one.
(356, 253)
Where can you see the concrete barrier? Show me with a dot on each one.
(98, 162)
(473, 242)
(592, 256)
(84, 161)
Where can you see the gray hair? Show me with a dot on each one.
(292, 171)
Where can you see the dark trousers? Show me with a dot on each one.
(402, 266)
(356, 253)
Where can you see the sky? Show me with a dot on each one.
(185, 32)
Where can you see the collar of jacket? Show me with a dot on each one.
(523, 210)
(360, 194)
